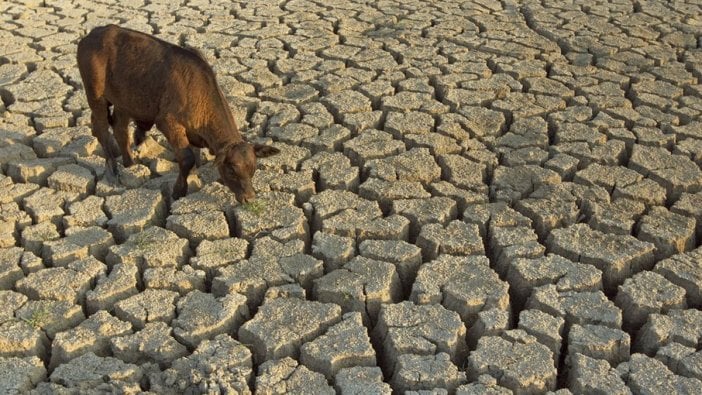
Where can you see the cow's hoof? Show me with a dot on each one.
(127, 162)
(178, 193)
(111, 177)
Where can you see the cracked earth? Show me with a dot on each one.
(472, 197)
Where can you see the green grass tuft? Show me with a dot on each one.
(255, 206)
(38, 317)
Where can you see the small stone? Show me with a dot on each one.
(284, 376)
(406, 257)
(599, 342)
(134, 176)
(465, 285)
(73, 178)
(617, 256)
(576, 307)
(148, 306)
(92, 335)
(197, 227)
(58, 283)
(420, 212)
(646, 293)
(361, 285)
(78, 244)
(20, 339)
(171, 279)
(547, 329)
(253, 276)
(202, 316)
(647, 375)
(221, 364)
(589, 376)
(524, 275)
(20, 375)
(281, 326)
(457, 238)
(85, 213)
(684, 271)
(34, 236)
(323, 354)
(410, 367)
(120, 284)
(680, 326)
(520, 364)
(134, 211)
(335, 251)
(152, 344)
(153, 247)
(406, 328)
(671, 233)
(214, 254)
(359, 380)
(89, 372)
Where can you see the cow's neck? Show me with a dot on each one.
(222, 129)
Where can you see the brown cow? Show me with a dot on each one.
(153, 82)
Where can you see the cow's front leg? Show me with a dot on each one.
(186, 161)
(176, 135)
(120, 128)
(140, 133)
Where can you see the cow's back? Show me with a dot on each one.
(141, 74)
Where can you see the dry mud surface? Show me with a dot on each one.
(473, 197)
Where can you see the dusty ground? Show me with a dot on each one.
(472, 197)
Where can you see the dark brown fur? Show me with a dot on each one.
(153, 82)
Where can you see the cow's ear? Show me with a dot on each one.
(263, 151)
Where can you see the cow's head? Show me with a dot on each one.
(237, 163)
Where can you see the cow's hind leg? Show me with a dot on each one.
(101, 130)
(92, 69)
(120, 128)
(140, 132)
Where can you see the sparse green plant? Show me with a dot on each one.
(141, 240)
(46, 234)
(37, 317)
(255, 207)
